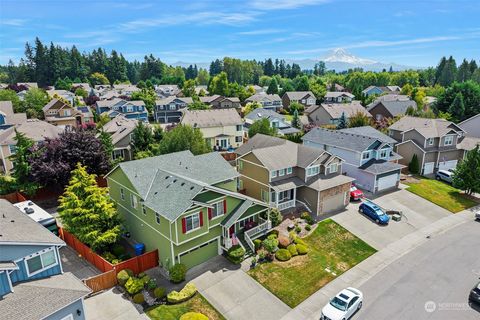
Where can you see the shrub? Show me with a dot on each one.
(118, 250)
(283, 255)
(109, 256)
(186, 293)
(262, 254)
(235, 254)
(159, 292)
(292, 249)
(146, 279)
(139, 298)
(151, 284)
(414, 166)
(272, 236)
(134, 285)
(298, 241)
(276, 217)
(177, 273)
(302, 249)
(275, 232)
(298, 229)
(257, 243)
(193, 316)
(123, 276)
(308, 227)
(308, 218)
(283, 242)
(271, 245)
(304, 215)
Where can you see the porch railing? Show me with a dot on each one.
(286, 205)
(257, 231)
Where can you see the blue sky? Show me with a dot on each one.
(408, 32)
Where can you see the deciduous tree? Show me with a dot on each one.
(261, 126)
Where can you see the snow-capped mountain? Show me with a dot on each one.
(341, 55)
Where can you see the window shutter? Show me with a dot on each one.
(201, 218)
(209, 213)
(224, 206)
(184, 225)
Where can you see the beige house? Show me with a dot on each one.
(34, 129)
(221, 128)
(62, 114)
(439, 144)
(291, 176)
(8, 117)
(330, 113)
(120, 129)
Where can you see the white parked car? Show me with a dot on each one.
(343, 305)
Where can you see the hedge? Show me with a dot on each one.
(235, 254)
(283, 255)
(292, 249)
(193, 316)
(186, 293)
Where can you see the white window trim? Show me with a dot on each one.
(430, 141)
(39, 254)
(312, 167)
(194, 229)
(68, 317)
(366, 153)
(386, 153)
(281, 172)
(219, 203)
(289, 170)
(133, 201)
(273, 174)
(445, 141)
(330, 168)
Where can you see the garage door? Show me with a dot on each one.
(334, 203)
(387, 182)
(428, 167)
(445, 165)
(200, 254)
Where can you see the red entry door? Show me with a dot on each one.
(231, 230)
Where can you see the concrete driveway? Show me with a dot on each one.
(112, 306)
(236, 295)
(417, 212)
(71, 262)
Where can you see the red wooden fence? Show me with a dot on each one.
(136, 264)
(13, 197)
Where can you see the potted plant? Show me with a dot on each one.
(254, 263)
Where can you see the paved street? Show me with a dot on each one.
(443, 271)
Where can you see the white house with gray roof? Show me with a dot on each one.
(268, 101)
(276, 121)
(368, 155)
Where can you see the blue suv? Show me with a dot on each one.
(374, 212)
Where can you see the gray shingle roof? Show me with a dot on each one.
(335, 110)
(170, 99)
(38, 299)
(336, 94)
(330, 182)
(429, 128)
(397, 107)
(261, 113)
(17, 227)
(169, 197)
(211, 118)
(298, 95)
(35, 129)
(371, 132)
(380, 166)
(337, 138)
(259, 97)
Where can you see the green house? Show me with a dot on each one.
(185, 206)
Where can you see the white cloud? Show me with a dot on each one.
(284, 4)
(13, 22)
(260, 32)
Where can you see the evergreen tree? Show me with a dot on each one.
(106, 140)
(21, 166)
(216, 67)
(464, 73)
(296, 120)
(184, 137)
(142, 137)
(457, 108)
(414, 166)
(87, 211)
(261, 126)
(342, 122)
(273, 86)
(466, 176)
(268, 68)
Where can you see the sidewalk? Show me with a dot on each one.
(361, 273)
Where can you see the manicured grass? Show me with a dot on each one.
(174, 311)
(442, 194)
(331, 246)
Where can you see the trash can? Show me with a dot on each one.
(139, 248)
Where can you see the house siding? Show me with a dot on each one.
(254, 177)
(4, 284)
(407, 150)
(70, 309)
(309, 197)
(325, 194)
(379, 112)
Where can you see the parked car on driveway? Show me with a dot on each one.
(444, 175)
(475, 294)
(374, 212)
(477, 213)
(355, 194)
(343, 305)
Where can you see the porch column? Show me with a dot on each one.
(276, 199)
(294, 196)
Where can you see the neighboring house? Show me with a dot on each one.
(7, 117)
(199, 88)
(336, 87)
(286, 175)
(120, 129)
(32, 282)
(62, 114)
(126, 89)
(130, 109)
(268, 101)
(35, 129)
(83, 85)
(338, 97)
(87, 115)
(390, 106)
(64, 94)
(29, 85)
(368, 155)
(221, 128)
(221, 102)
(258, 89)
(330, 113)
(471, 126)
(439, 144)
(167, 90)
(307, 98)
(170, 110)
(276, 121)
(381, 90)
(185, 206)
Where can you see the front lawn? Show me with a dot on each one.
(440, 193)
(331, 246)
(174, 311)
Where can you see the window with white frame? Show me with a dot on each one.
(41, 261)
(366, 155)
(192, 222)
(273, 174)
(239, 127)
(383, 153)
(133, 201)
(281, 172)
(289, 170)
(448, 141)
(313, 170)
(144, 209)
(122, 194)
(430, 141)
(117, 154)
(238, 139)
(333, 168)
(157, 217)
(218, 209)
(12, 148)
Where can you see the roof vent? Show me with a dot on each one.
(182, 184)
(174, 180)
(192, 187)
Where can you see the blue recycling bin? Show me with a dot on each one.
(139, 249)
